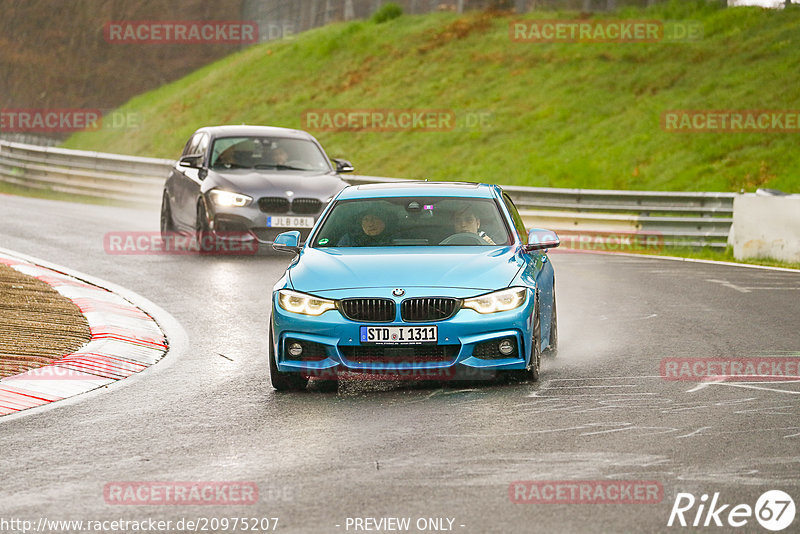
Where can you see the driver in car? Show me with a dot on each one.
(466, 222)
(279, 156)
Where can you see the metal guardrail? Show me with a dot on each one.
(675, 218)
(113, 177)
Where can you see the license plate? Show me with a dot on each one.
(399, 334)
(290, 222)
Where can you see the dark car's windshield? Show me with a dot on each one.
(273, 153)
(413, 221)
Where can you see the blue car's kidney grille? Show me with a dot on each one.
(428, 309)
(371, 310)
(306, 206)
(273, 204)
(400, 353)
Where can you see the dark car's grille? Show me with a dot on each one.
(428, 309)
(273, 204)
(371, 310)
(301, 206)
(306, 206)
(400, 353)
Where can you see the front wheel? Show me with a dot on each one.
(535, 364)
(552, 347)
(167, 224)
(531, 372)
(206, 239)
(283, 381)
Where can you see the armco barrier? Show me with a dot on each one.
(107, 176)
(691, 219)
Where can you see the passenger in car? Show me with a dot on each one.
(371, 232)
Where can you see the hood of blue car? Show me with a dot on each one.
(330, 269)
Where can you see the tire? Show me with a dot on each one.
(552, 347)
(531, 373)
(535, 364)
(203, 234)
(167, 224)
(283, 381)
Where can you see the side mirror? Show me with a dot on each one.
(287, 242)
(193, 161)
(342, 165)
(539, 239)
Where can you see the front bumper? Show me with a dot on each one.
(250, 223)
(464, 348)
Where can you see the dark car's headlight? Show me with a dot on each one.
(295, 302)
(498, 301)
(228, 199)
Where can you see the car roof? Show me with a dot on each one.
(416, 188)
(254, 131)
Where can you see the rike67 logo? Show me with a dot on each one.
(774, 510)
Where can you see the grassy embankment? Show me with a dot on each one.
(559, 114)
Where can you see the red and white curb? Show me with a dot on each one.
(124, 340)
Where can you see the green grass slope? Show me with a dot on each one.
(559, 114)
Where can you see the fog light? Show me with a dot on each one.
(506, 347)
(295, 350)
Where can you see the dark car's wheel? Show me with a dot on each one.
(167, 224)
(283, 381)
(203, 234)
(552, 347)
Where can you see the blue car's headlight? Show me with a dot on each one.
(229, 200)
(295, 302)
(498, 301)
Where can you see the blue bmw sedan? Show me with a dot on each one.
(428, 280)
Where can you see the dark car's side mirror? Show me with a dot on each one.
(287, 242)
(193, 162)
(342, 165)
(539, 239)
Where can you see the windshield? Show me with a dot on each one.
(413, 221)
(275, 153)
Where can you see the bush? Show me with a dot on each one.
(387, 12)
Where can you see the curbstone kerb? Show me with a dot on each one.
(124, 340)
